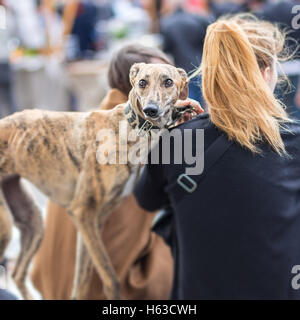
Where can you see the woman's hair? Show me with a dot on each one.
(122, 60)
(236, 51)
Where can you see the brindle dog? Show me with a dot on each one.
(56, 151)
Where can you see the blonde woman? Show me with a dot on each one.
(238, 231)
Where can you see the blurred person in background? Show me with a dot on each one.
(196, 6)
(141, 259)
(39, 80)
(155, 11)
(85, 40)
(281, 12)
(218, 8)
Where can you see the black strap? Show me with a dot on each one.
(186, 184)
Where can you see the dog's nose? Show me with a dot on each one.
(151, 110)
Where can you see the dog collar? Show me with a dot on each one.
(137, 122)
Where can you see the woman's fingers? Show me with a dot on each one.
(190, 102)
(189, 114)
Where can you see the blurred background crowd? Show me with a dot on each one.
(55, 54)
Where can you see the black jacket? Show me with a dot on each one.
(238, 233)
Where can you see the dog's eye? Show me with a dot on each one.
(142, 83)
(168, 83)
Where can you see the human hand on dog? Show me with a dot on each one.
(196, 109)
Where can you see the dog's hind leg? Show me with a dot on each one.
(83, 271)
(5, 225)
(28, 220)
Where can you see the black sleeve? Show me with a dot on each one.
(149, 190)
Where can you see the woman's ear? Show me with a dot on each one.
(134, 70)
(270, 75)
(266, 73)
(184, 89)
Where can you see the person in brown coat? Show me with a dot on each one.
(141, 259)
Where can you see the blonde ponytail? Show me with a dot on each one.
(239, 99)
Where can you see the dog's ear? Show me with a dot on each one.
(134, 70)
(184, 90)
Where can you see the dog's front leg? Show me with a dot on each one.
(83, 271)
(90, 226)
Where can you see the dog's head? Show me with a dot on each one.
(155, 90)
